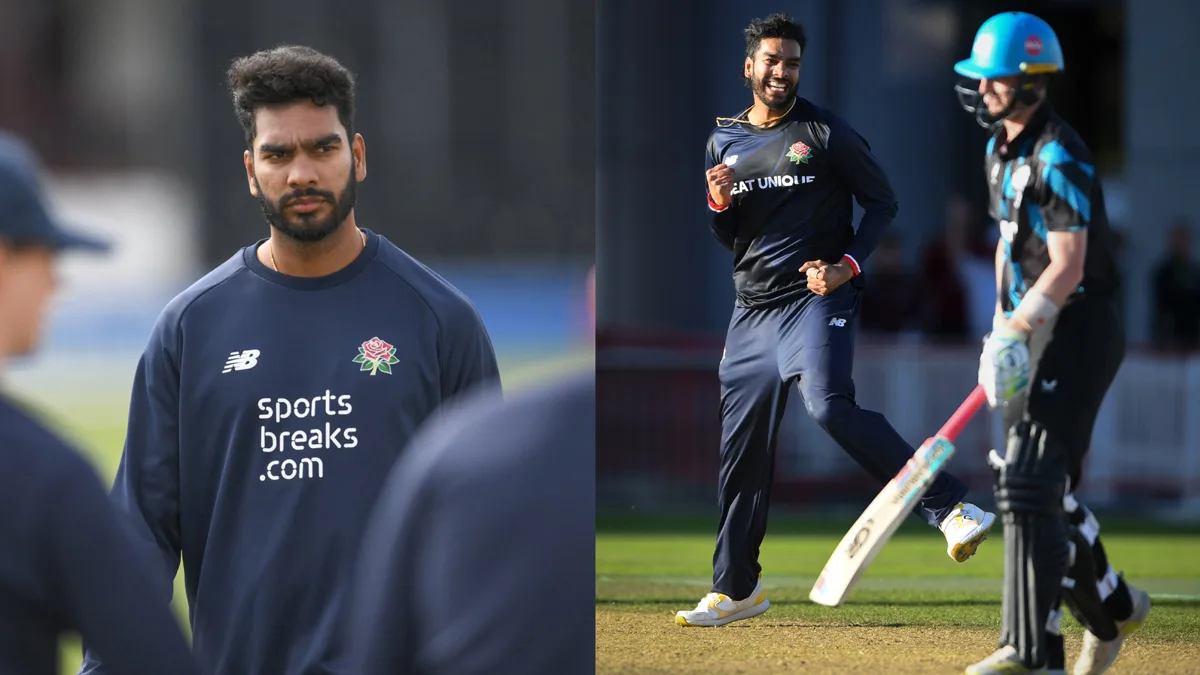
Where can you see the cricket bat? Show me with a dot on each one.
(893, 504)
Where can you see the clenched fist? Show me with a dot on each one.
(720, 184)
(825, 278)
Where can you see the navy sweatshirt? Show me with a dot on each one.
(68, 564)
(480, 558)
(795, 183)
(266, 413)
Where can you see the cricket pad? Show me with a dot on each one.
(1029, 494)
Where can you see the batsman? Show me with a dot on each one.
(782, 177)
(1055, 347)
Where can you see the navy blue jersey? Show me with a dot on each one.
(793, 200)
(267, 411)
(68, 564)
(1045, 181)
(480, 558)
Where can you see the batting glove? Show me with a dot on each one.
(1004, 366)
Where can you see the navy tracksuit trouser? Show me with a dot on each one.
(809, 340)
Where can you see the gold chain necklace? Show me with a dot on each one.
(275, 266)
(726, 122)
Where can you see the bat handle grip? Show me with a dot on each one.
(954, 426)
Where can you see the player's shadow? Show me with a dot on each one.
(931, 602)
(958, 602)
(824, 624)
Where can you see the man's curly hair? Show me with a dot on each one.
(778, 25)
(287, 74)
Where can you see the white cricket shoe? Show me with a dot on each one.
(1097, 656)
(718, 609)
(1004, 661)
(965, 528)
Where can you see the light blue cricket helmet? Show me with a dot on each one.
(1007, 45)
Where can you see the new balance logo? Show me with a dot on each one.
(840, 323)
(1048, 386)
(242, 360)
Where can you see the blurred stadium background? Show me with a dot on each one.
(480, 144)
(665, 291)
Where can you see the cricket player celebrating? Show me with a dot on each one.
(1055, 347)
(781, 179)
(276, 393)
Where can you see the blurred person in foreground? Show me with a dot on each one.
(480, 557)
(67, 563)
(1176, 279)
(276, 393)
(1055, 347)
(782, 178)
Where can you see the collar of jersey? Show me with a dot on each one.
(250, 258)
(1031, 130)
(801, 104)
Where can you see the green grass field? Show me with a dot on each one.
(915, 611)
(92, 414)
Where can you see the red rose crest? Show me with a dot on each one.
(376, 355)
(799, 153)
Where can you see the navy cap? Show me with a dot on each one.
(24, 216)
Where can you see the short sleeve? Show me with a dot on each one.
(1065, 189)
